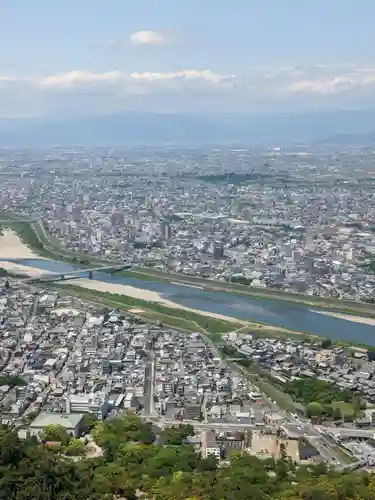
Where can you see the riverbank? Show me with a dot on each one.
(347, 317)
(11, 247)
(170, 313)
(148, 296)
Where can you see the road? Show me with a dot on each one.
(149, 405)
(223, 426)
(347, 432)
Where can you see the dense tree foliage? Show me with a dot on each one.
(309, 390)
(89, 422)
(130, 467)
(176, 435)
(55, 433)
(12, 380)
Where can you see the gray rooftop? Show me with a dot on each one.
(66, 420)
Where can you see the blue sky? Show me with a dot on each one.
(95, 56)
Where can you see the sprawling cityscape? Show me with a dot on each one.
(108, 260)
(62, 358)
(298, 221)
(187, 250)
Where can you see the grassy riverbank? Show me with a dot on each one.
(154, 311)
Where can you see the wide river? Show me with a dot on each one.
(268, 311)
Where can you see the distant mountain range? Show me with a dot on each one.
(191, 129)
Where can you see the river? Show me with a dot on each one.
(268, 311)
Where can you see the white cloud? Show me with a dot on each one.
(74, 79)
(316, 80)
(325, 80)
(148, 38)
(188, 89)
(78, 78)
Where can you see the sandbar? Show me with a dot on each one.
(150, 296)
(348, 317)
(33, 272)
(11, 247)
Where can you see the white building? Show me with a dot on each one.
(95, 403)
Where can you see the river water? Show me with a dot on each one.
(268, 311)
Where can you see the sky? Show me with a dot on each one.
(89, 57)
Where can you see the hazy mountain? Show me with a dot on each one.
(150, 128)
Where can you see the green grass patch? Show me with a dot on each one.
(144, 277)
(281, 399)
(172, 321)
(345, 408)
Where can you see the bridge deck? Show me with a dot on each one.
(79, 273)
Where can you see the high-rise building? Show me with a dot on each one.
(218, 250)
(117, 218)
(166, 230)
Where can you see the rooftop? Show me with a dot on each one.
(68, 421)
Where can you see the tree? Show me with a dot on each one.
(176, 435)
(311, 389)
(89, 422)
(75, 448)
(314, 410)
(208, 464)
(172, 459)
(328, 411)
(113, 434)
(326, 343)
(283, 453)
(29, 417)
(30, 471)
(56, 433)
(357, 404)
(12, 380)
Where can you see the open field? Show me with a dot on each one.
(345, 408)
(264, 446)
(281, 398)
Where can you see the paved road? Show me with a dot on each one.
(229, 426)
(149, 405)
(347, 431)
(147, 389)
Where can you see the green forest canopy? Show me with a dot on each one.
(131, 464)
